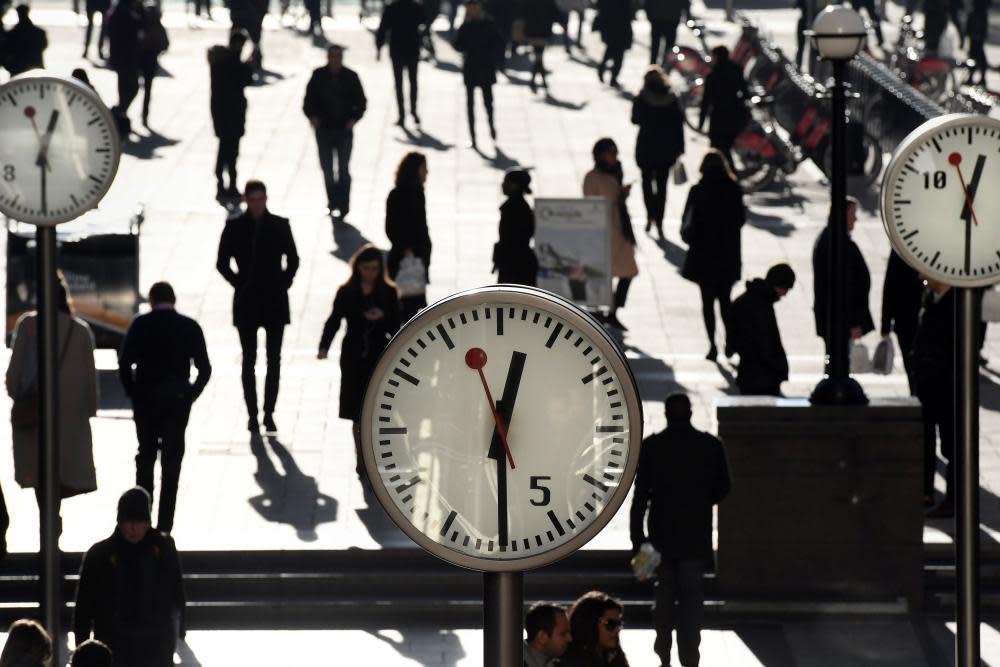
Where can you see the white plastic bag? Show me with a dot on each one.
(645, 562)
(884, 356)
(991, 305)
(411, 280)
(860, 360)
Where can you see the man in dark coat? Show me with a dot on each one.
(724, 102)
(131, 594)
(614, 22)
(24, 44)
(263, 249)
(858, 317)
(682, 474)
(403, 24)
(155, 369)
(124, 24)
(481, 46)
(229, 78)
(755, 335)
(334, 102)
(657, 112)
(901, 295)
(663, 15)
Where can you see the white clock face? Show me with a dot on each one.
(59, 149)
(941, 200)
(571, 420)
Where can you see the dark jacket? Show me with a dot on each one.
(714, 214)
(161, 345)
(859, 283)
(934, 344)
(403, 22)
(901, 293)
(406, 227)
(666, 10)
(260, 281)
(335, 99)
(724, 102)
(661, 127)
(481, 47)
(124, 24)
(128, 596)
(513, 257)
(682, 474)
(614, 22)
(576, 656)
(23, 46)
(229, 78)
(539, 18)
(763, 364)
(363, 342)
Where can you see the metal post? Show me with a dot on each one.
(48, 436)
(503, 625)
(966, 470)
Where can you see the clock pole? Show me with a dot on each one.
(503, 625)
(966, 470)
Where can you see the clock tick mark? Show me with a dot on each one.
(615, 428)
(406, 376)
(911, 235)
(595, 482)
(403, 487)
(580, 516)
(392, 430)
(555, 522)
(499, 321)
(527, 544)
(445, 337)
(555, 334)
(534, 320)
(538, 540)
(447, 523)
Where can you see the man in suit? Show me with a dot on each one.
(403, 25)
(155, 370)
(263, 250)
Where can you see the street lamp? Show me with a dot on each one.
(838, 34)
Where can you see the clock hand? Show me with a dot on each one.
(43, 151)
(45, 205)
(955, 159)
(475, 359)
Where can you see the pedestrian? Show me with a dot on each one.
(595, 622)
(873, 17)
(77, 379)
(902, 292)
(755, 336)
(403, 23)
(130, 594)
(547, 627)
(660, 142)
(152, 43)
(481, 46)
(249, 15)
(333, 103)
(315, 15)
(724, 103)
(606, 180)
(154, 366)
(614, 22)
(27, 645)
(91, 653)
(937, 13)
(538, 31)
(263, 250)
(858, 318)
(663, 16)
(96, 8)
(368, 304)
(124, 26)
(229, 75)
(713, 217)
(976, 28)
(801, 26)
(406, 226)
(513, 259)
(24, 44)
(203, 4)
(682, 474)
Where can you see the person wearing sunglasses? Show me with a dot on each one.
(595, 621)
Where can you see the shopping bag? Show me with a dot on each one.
(883, 357)
(991, 305)
(680, 174)
(860, 360)
(411, 280)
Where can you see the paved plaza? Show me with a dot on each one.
(300, 492)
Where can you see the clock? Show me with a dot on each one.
(501, 428)
(941, 200)
(59, 149)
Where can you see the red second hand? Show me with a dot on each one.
(475, 359)
(955, 159)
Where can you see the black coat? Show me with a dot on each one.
(682, 474)
(724, 102)
(481, 47)
(755, 336)
(513, 257)
(901, 294)
(229, 78)
(715, 215)
(934, 344)
(335, 99)
(260, 281)
(539, 18)
(859, 283)
(129, 595)
(23, 47)
(577, 656)
(162, 345)
(363, 341)
(614, 22)
(403, 23)
(124, 24)
(406, 227)
(661, 128)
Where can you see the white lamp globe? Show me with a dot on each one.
(838, 33)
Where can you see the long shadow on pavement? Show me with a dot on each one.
(348, 239)
(655, 378)
(187, 656)
(380, 526)
(145, 147)
(775, 224)
(672, 252)
(448, 646)
(424, 140)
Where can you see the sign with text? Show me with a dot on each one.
(573, 245)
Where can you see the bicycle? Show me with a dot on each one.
(932, 75)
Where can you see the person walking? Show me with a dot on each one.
(663, 16)
(333, 103)
(513, 259)
(547, 629)
(660, 142)
(595, 622)
(77, 378)
(229, 76)
(682, 475)
(724, 103)
(130, 595)
(154, 366)
(977, 28)
(249, 15)
(713, 217)
(406, 226)
(263, 250)
(873, 17)
(403, 24)
(902, 292)
(96, 8)
(24, 44)
(368, 304)
(27, 645)
(124, 26)
(755, 336)
(538, 31)
(481, 46)
(152, 43)
(614, 22)
(605, 180)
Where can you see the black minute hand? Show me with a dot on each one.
(505, 408)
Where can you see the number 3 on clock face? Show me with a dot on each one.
(501, 428)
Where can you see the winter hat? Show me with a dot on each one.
(134, 505)
(780, 276)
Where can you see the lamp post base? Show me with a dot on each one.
(838, 391)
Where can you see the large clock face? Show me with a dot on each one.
(941, 200)
(519, 486)
(59, 149)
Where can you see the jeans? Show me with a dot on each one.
(654, 194)
(679, 604)
(338, 188)
(159, 427)
(397, 72)
(248, 341)
(709, 295)
(470, 99)
(665, 31)
(225, 160)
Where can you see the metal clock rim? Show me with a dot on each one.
(519, 295)
(106, 117)
(895, 166)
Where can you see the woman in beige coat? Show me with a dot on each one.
(77, 399)
(605, 180)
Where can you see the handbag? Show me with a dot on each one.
(24, 410)
(991, 305)
(883, 357)
(860, 360)
(411, 279)
(680, 174)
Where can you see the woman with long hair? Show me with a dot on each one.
(595, 622)
(28, 645)
(406, 226)
(367, 301)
